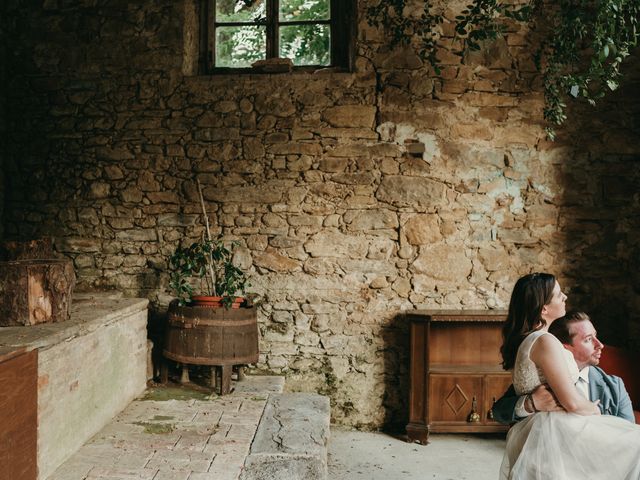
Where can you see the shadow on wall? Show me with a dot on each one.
(396, 377)
(600, 210)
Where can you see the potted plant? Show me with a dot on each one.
(211, 263)
(197, 334)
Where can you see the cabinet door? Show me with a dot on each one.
(451, 397)
(19, 416)
(494, 388)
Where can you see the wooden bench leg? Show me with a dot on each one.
(185, 373)
(240, 373)
(225, 380)
(213, 383)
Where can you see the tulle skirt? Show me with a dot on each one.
(565, 446)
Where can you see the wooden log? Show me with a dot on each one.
(35, 291)
(40, 248)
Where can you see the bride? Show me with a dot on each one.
(577, 443)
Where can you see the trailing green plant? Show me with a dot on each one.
(583, 43)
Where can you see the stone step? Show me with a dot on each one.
(291, 440)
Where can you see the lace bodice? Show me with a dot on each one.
(526, 376)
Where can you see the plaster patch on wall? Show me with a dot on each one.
(517, 205)
(431, 148)
(401, 132)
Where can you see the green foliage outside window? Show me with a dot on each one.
(304, 44)
(240, 10)
(240, 46)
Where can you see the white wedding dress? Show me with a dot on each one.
(566, 446)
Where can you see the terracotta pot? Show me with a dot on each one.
(213, 302)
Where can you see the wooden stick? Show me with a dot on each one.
(204, 210)
(212, 273)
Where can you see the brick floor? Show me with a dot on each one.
(172, 440)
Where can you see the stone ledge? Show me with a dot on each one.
(291, 441)
(89, 312)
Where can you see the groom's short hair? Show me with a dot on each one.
(561, 328)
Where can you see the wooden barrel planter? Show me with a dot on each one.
(220, 337)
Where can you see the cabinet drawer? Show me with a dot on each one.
(451, 397)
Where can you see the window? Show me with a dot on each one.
(312, 33)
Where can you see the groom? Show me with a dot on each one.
(578, 335)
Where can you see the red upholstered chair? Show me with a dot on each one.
(624, 364)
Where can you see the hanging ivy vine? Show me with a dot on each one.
(583, 43)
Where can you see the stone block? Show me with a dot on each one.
(295, 148)
(275, 262)
(370, 219)
(163, 197)
(365, 178)
(443, 262)
(403, 191)
(335, 244)
(291, 440)
(421, 229)
(138, 235)
(252, 148)
(274, 105)
(350, 116)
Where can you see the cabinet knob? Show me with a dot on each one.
(474, 416)
(490, 412)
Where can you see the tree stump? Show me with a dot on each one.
(35, 291)
(40, 248)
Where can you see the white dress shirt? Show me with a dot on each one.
(583, 382)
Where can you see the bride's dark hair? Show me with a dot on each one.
(530, 294)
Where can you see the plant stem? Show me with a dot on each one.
(212, 273)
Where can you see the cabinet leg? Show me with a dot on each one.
(225, 379)
(418, 433)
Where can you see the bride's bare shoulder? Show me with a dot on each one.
(546, 343)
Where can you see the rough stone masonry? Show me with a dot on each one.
(353, 195)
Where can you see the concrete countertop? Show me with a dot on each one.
(88, 313)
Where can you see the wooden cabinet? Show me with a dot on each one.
(455, 371)
(18, 414)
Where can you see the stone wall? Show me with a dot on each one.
(354, 195)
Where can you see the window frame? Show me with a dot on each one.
(341, 23)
